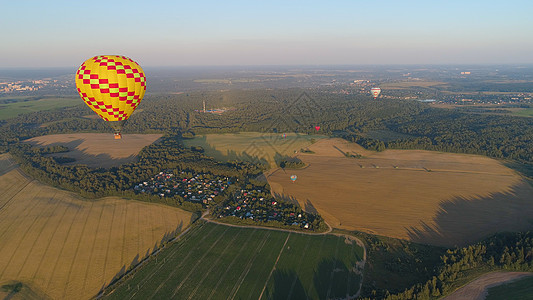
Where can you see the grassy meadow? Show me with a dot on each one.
(13, 106)
(215, 261)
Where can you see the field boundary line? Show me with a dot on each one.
(92, 249)
(64, 242)
(269, 228)
(31, 249)
(109, 240)
(211, 268)
(245, 272)
(176, 268)
(170, 256)
(230, 265)
(8, 201)
(50, 242)
(25, 233)
(122, 262)
(274, 266)
(77, 248)
(197, 263)
(33, 245)
(23, 211)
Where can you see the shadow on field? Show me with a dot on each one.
(333, 279)
(252, 153)
(138, 260)
(461, 221)
(286, 198)
(287, 285)
(81, 157)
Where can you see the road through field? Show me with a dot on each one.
(477, 289)
(66, 247)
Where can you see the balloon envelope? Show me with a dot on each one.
(317, 128)
(294, 177)
(375, 92)
(112, 86)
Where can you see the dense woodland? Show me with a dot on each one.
(417, 125)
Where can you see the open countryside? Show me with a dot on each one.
(65, 247)
(13, 106)
(95, 149)
(429, 197)
(265, 148)
(216, 261)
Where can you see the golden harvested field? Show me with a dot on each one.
(252, 146)
(98, 149)
(69, 248)
(430, 197)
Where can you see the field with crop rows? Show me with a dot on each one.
(215, 261)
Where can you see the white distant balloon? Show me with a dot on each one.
(375, 92)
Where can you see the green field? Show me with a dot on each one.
(520, 289)
(221, 262)
(13, 106)
(265, 148)
(525, 112)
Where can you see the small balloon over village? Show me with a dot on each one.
(375, 92)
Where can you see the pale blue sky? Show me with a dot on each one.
(175, 33)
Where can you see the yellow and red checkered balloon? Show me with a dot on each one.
(112, 86)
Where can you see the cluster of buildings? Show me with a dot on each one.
(199, 188)
(33, 85)
(260, 206)
(8, 87)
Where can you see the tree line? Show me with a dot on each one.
(296, 110)
(503, 251)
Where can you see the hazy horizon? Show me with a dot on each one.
(241, 33)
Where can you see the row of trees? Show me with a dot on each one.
(507, 251)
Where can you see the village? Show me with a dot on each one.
(198, 188)
(260, 206)
(253, 203)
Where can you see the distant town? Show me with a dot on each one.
(9, 87)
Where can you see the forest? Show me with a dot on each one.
(295, 110)
(503, 251)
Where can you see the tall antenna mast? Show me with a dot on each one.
(204, 106)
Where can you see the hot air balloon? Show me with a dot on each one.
(317, 128)
(293, 178)
(112, 86)
(375, 92)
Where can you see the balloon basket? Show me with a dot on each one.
(118, 136)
